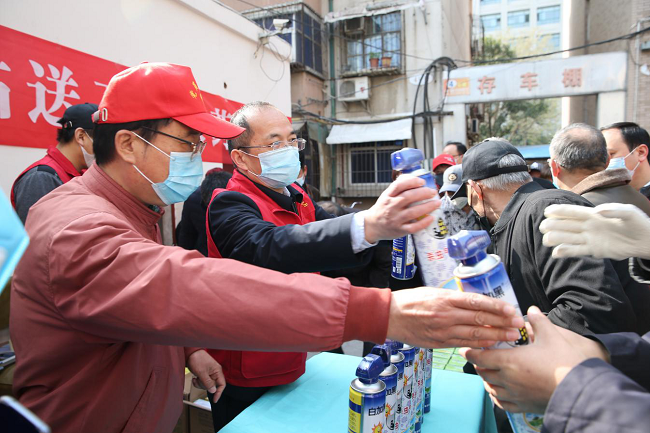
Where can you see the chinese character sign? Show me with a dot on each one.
(40, 79)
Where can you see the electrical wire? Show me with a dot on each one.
(334, 121)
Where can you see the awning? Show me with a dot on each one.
(364, 133)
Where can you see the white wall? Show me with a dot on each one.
(215, 41)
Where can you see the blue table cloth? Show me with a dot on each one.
(318, 402)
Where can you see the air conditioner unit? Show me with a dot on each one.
(354, 89)
(354, 25)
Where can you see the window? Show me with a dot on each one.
(519, 19)
(489, 2)
(548, 15)
(306, 37)
(554, 41)
(370, 162)
(491, 22)
(379, 37)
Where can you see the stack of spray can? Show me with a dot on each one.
(367, 406)
(484, 273)
(436, 267)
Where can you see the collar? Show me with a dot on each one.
(101, 184)
(602, 179)
(64, 162)
(285, 201)
(516, 202)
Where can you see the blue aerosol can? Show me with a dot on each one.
(427, 381)
(367, 404)
(389, 377)
(480, 272)
(434, 264)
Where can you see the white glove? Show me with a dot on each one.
(611, 230)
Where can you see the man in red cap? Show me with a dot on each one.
(103, 316)
(439, 164)
(69, 158)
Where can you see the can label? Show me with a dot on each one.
(526, 422)
(403, 257)
(366, 412)
(391, 401)
(407, 389)
(495, 284)
(427, 381)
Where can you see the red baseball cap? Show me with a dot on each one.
(441, 159)
(160, 91)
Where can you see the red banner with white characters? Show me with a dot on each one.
(40, 79)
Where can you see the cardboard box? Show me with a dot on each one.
(190, 392)
(199, 416)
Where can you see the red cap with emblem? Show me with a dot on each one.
(442, 159)
(160, 91)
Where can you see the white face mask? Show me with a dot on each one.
(89, 158)
(301, 181)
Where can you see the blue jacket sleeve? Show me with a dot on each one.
(240, 233)
(630, 354)
(595, 397)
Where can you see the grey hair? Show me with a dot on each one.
(505, 181)
(579, 146)
(240, 118)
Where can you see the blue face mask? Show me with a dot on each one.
(619, 162)
(279, 167)
(184, 177)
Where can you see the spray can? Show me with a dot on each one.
(397, 359)
(427, 381)
(422, 360)
(403, 256)
(389, 377)
(484, 273)
(407, 390)
(435, 265)
(367, 404)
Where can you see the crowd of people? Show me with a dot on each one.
(251, 286)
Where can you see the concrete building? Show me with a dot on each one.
(518, 20)
(380, 51)
(597, 20)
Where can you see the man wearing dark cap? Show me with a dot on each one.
(69, 158)
(580, 294)
(104, 318)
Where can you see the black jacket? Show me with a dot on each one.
(597, 397)
(240, 233)
(581, 294)
(190, 233)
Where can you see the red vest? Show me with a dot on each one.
(57, 161)
(262, 368)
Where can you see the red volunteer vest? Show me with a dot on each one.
(57, 161)
(261, 368)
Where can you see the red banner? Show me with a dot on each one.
(40, 79)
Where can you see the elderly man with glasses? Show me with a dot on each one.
(266, 219)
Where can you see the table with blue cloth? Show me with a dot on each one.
(318, 402)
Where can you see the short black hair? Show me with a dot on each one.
(104, 136)
(632, 133)
(460, 147)
(301, 156)
(65, 135)
(214, 179)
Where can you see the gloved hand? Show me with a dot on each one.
(611, 230)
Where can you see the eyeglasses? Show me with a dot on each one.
(197, 148)
(296, 142)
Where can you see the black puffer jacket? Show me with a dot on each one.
(581, 294)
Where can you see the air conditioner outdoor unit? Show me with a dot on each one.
(354, 89)
(354, 25)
